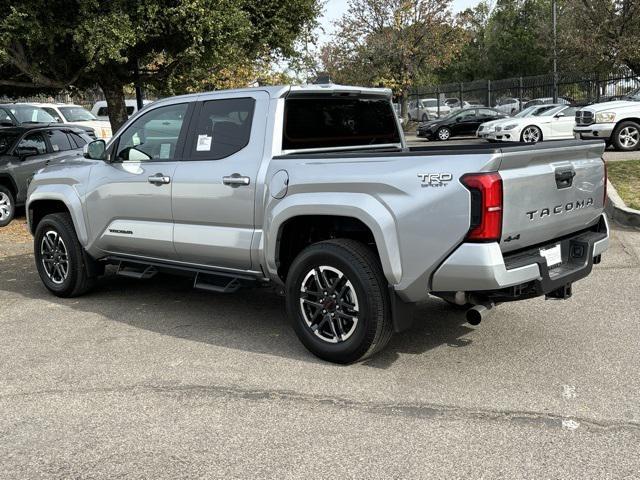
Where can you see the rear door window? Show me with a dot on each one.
(59, 141)
(223, 128)
(333, 122)
(76, 140)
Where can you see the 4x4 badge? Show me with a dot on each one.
(435, 179)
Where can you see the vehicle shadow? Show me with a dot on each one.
(251, 320)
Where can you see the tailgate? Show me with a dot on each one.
(550, 190)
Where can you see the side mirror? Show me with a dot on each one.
(559, 115)
(95, 150)
(24, 152)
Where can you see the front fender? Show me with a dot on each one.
(65, 194)
(361, 206)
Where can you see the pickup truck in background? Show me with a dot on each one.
(617, 123)
(313, 190)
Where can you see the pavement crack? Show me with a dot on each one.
(411, 410)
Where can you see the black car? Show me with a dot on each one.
(459, 123)
(17, 114)
(25, 150)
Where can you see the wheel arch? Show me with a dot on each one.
(8, 182)
(41, 203)
(360, 217)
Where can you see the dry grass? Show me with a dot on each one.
(15, 232)
(625, 176)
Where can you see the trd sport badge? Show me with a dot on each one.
(435, 179)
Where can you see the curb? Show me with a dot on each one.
(617, 210)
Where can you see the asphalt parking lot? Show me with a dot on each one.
(151, 379)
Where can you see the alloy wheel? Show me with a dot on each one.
(5, 206)
(444, 134)
(629, 137)
(329, 304)
(531, 135)
(54, 256)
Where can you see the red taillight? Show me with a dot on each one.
(486, 206)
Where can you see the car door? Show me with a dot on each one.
(215, 186)
(128, 199)
(468, 123)
(562, 123)
(29, 155)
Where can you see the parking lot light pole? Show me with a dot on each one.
(555, 50)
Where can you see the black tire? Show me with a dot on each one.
(361, 267)
(425, 117)
(443, 134)
(7, 206)
(626, 137)
(531, 134)
(77, 281)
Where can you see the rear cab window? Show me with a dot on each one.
(334, 122)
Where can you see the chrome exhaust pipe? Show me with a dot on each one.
(477, 313)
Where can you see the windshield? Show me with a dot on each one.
(552, 110)
(77, 114)
(526, 112)
(6, 140)
(28, 114)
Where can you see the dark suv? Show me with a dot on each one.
(26, 149)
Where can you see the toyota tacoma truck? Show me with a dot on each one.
(617, 123)
(313, 190)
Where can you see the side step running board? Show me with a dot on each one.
(216, 283)
(136, 271)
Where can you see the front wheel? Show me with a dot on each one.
(626, 136)
(425, 117)
(59, 257)
(338, 301)
(7, 206)
(531, 134)
(444, 134)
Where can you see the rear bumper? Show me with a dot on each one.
(595, 131)
(483, 269)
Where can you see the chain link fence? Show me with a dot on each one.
(513, 94)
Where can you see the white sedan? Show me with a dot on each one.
(553, 124)
(488, 129)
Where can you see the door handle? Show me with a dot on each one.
(159, 179)
(236, 180)
(564, 178)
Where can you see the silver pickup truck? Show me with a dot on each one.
(313, 190)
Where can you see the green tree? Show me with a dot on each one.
(169, 45)
(598, 35)
(392, 43)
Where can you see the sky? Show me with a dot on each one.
(336, 8)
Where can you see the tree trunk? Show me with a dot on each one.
(114, 94)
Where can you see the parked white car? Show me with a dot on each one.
(488, 130)
(617, 123)
(553, 124)
(426, 109)
(101, 111)
(77, 115)
(509, 105)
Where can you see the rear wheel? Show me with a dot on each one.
(59, 257)
(338, 301)
(626, 136)
(444, 133)
(7, 206)
(531, 134)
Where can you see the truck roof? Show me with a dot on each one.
(280, 91)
